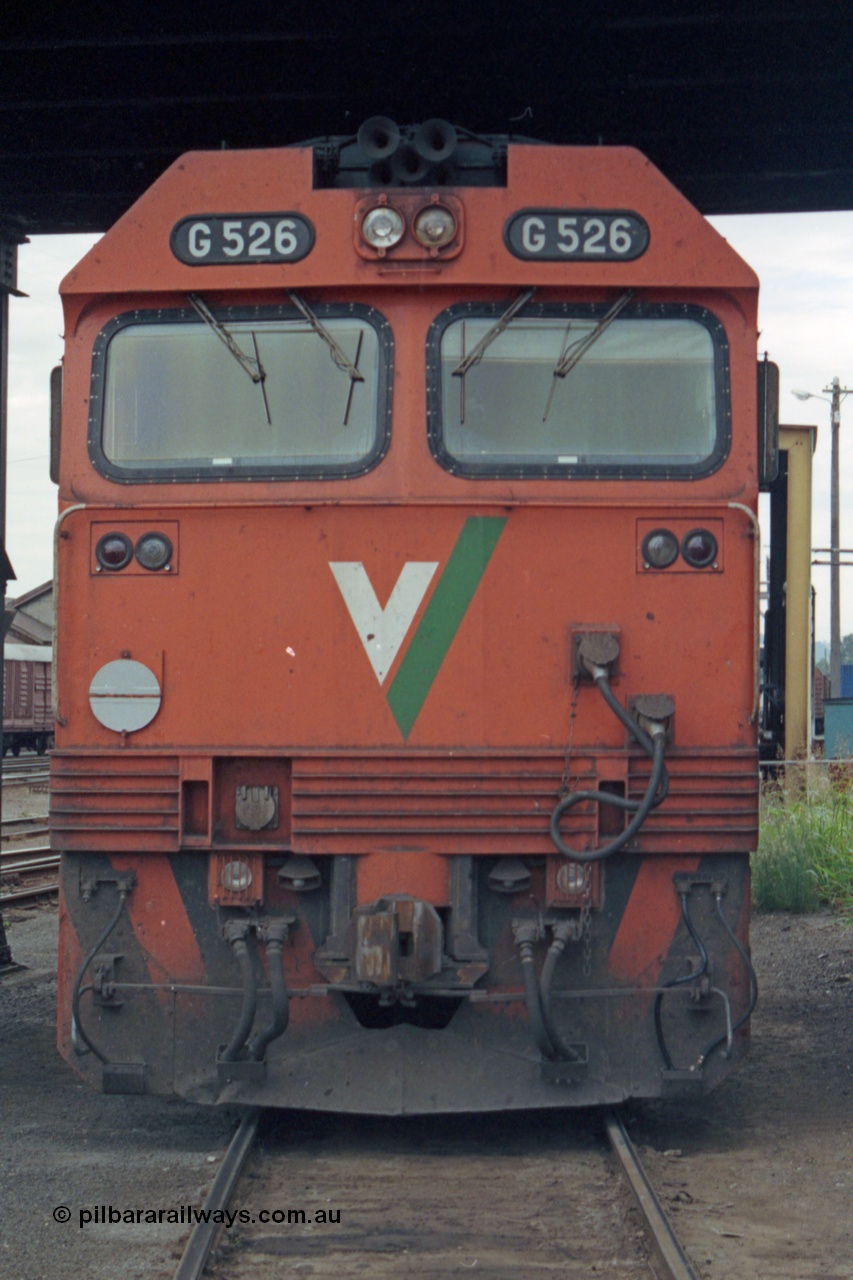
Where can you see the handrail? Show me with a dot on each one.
(54, 684)
(756, 529)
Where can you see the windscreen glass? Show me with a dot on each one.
(238, 395)
(579, 391)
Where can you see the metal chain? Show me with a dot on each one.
(584, 932)
(564, 781)
(586, 919)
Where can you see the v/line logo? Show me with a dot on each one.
(383, 631)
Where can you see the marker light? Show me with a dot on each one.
(236, 877)
(154, 551)
(660, 549)
(434, 227)
(382, 227)
(114, 551)
(699, 548)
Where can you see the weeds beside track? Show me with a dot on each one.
(804, 859)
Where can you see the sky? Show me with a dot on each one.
(804, 262)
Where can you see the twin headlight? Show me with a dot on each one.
(661, 549)
(433, 226)
(153, 551)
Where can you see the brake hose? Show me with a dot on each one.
(563, 933)
(677, 982)
(732, 1027)
(753, 985)
(77, 1029)
(526, 933)
(276, 935)
(236, 933)
(654, 745)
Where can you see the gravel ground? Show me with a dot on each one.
(64, 1145)
(757, 1177)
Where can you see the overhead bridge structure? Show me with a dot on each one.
(747, 107)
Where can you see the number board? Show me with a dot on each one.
(222, 239)
(576, 235)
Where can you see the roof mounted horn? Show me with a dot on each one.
(434, 154)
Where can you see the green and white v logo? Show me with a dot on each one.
(383, 631)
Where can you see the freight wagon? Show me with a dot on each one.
(27, 711)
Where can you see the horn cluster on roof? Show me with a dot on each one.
(385, 154)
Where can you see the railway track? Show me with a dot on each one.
(28, 873)
(20, 771)
(23, 828)
(533, 1195)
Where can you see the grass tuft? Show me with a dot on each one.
(805, 852)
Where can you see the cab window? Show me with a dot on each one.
(228, 394)
(609, 390)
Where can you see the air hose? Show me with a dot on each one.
(753, 985)
(678, 982)
(236, 933)
(726, 1038)
(538, 996)
(526, 933)
(653, 744)
(596, 654)
(563, 933)
(77, 1029)
(276, 936)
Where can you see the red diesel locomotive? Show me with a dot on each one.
(406, 667)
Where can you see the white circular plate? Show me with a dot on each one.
(124, 695)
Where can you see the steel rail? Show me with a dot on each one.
(19, 778)
(41, 890)
(27, 865)
(198, 1246)
(670, 1261)
(16, 828)
(27, 858)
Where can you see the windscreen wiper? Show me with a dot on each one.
(573, 354)
(476, 354)
(249, 364)
(339, 356)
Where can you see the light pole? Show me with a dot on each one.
(837, 394)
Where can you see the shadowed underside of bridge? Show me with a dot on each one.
(746, 106)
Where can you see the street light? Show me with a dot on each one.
(837, 394)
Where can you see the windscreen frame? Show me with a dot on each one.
(243, 472)
(651, 470)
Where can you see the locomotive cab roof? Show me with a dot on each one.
(319, 180)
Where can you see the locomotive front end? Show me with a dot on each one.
(406, 561)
